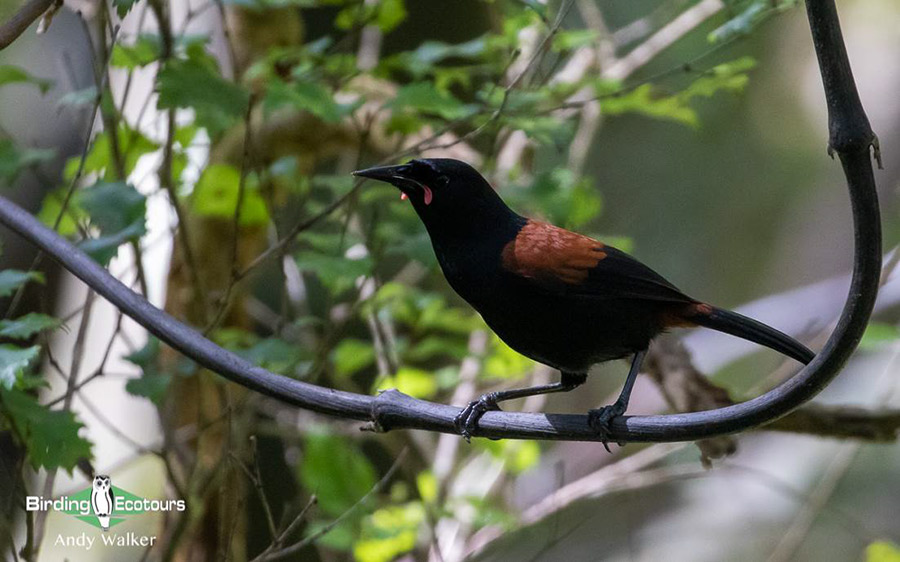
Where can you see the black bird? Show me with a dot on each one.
(558, 297)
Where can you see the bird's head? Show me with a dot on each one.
(443, 191)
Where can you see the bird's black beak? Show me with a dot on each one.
(389, 174)
(400, 177)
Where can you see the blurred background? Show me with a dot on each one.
(202, 150)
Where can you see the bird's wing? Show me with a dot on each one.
(565, 262)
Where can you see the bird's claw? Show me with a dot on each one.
(601, 418)
(467, 420)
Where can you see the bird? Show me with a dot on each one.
(102, 499)
(556, 296)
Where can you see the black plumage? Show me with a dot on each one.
(556, 296)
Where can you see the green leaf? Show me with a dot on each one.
(217, 103)
(389, 532)
(430, 52)
(10, 74)
(337, 490)
(539, 8)
(26, 326)
(145, 50)
(118, 211)
(436, 315)
(642, 100)
(746, 21)
(14, 361)
(352, 355)
(12, 279)
(152, 383)
(79, 98)
(547, 130)
(423, 61)
(424, 98)
(51, 436)
(340, 538)
(151, 387)
(431, 347)
(132, 146)
(428, 486)
(338, 273)
(123, 6)
(113, 206)
(218, 190)
(391, 13)
(185, 135)
(404, 123)
(503, 362)
(519, 456)
(275, 355)
(882, 551)
(413, 382)
(51, 207)
(14, 159)
(878, 334)
(568, 40)
(561, 196)
(730, 76)
(306, 96)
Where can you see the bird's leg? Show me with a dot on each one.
(467, 420)
(600, 418)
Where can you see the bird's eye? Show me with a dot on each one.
(443, 181)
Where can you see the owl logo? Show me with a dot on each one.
(102, 500)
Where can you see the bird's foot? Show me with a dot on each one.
(601, 418)
(467, 420)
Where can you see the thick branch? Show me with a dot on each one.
(20, 21)
(850, 138)
(686, 389)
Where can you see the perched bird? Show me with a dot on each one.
(558, 297)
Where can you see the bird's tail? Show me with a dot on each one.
(749, 329)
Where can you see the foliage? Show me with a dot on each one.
(879, 334)
(15, 75)
(11, 280)
(13, 363)
(50, 436)
(749, 15)
(356, 300)
(218, 193)
(882, 551)
(195, 81)
(117, 210)
(13, 159)
(153, 382)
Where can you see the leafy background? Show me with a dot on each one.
(214, 141)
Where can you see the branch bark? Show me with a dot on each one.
(850, 138)
(19, 22)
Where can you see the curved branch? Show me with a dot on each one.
(19, 22)
(850, 137)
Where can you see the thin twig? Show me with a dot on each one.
(236, 224)
(311, 539)
(73, 183)
(166, 178)
(662, 39)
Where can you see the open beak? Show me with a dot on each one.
(396, 176)
(389, 174)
